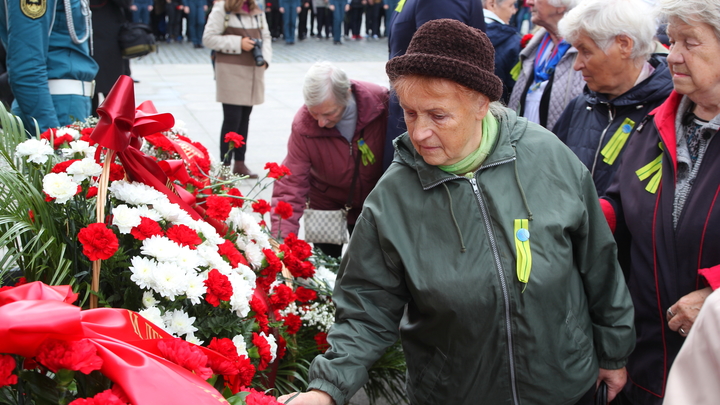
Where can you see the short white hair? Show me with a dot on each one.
(568, 4)
(324, 81)
(693, 12)
(604, 20)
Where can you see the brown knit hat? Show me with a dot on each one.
(449, 49)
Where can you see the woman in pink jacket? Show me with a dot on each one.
(339, 115)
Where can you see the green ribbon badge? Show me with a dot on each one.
(653, 169)
(367, 156)
(612, 149)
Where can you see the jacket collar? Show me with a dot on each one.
(665, 123)
(369, 107)
(510, 129)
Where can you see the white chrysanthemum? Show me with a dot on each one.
(84, 169)
(235, 219)
(135, 193)
(68, 131)
(142, 269)
(149, 300)
(169, 281)
(125, 218)
(147, 212)
(247, 274)
(161, 248)
(208, 231)
(188, 260)
(253, 254)
(324, 275)
(242, 292)
(273, 344)
(191, 338)
(59, 186)
(179, 323)
(153, 315)
(240, 345)
(82, 147)
(248, 225)
(209, 253)
(36, 150)
(172, 212)
(196, 288)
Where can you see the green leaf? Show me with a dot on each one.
(44, 388)
(239, 398)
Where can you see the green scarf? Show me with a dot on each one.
(475, 159)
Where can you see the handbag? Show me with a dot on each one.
(330, 226)
(601, 394)
(136, 40)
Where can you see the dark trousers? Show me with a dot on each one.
(236, 118)
(373, 15)
(174, 23)
(356, 20)
(303, 22)
(275, 22)
(333, 250)
(324, 20)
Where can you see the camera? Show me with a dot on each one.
(257, 52)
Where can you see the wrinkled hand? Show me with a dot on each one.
(682, 314)
(615, 380)
(313, 397)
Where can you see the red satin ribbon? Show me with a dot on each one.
(127, 343)
(120, 128)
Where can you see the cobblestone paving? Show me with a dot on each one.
(308, 50)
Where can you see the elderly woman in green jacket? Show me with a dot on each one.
(483, 247)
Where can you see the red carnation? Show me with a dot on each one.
(236, 202)
(292, 323)
(91, 192)
(116, 172)
(62, 166)
(282, 297)
(234, 139)
(217, 207)
(161, 142)
(259, 398)
(224, 346)
(244, 377)
(284, 209)
(107, 397)
(21, 281)
(321, 341)
(185, 355)
(262, 207)
(31, 215)
(219, 288)
(7, 366)
(233, 255)
(183, 235)
(146, 229)
(524, 40)
(299, 268)
(263, 350)
(301, 249)
(85, 136)
(277, 171)
(282, 347)
(99, 242)
(78, 355)
(258, 306)
(305, 294)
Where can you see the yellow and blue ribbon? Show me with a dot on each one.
(522, 250)
(612, 149)
(652, 170)
(367, 156)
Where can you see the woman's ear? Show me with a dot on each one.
(626, 45)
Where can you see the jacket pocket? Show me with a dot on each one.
(425, 377)
(318, 185)
(575, 332)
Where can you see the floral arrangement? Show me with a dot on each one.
(193, 256)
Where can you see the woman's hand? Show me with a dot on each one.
(615, 380)
(247, 44)
(312, 397)
(681, 315)
(332, 7)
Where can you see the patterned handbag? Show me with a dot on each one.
(330, 226)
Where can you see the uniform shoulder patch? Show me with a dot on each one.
(33, 8)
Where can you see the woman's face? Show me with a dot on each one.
(546, 15)
(605, 71)
(694, 60)
(328, 113)
(443, 121)
(504, 10)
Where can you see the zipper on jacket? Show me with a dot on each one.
(503, 283)
(611, 117)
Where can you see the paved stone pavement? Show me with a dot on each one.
(179, 80)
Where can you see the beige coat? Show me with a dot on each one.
(238, 80)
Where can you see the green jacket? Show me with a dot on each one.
(444, 247)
